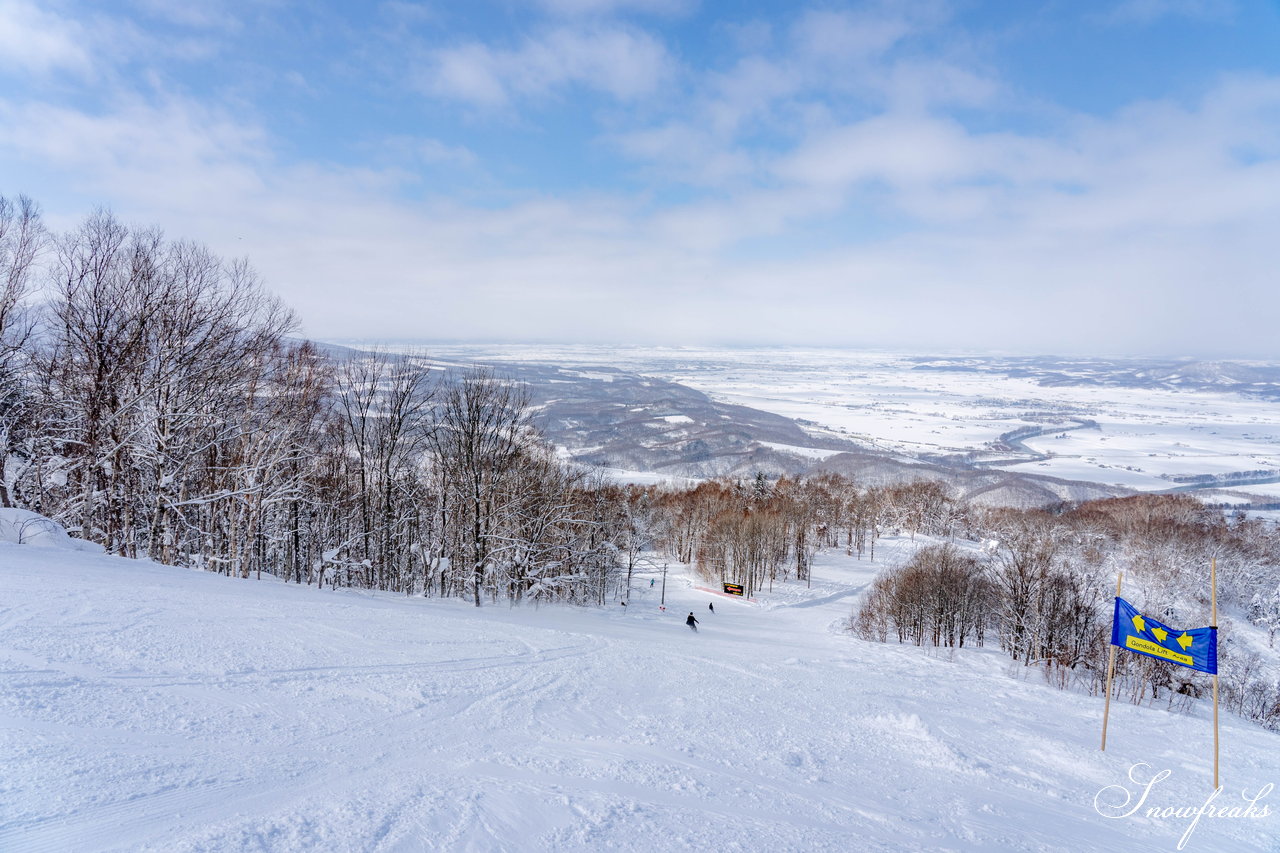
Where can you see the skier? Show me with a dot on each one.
(650, 583)
(711, 606)
(692, 622)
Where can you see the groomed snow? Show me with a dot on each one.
(154, 708)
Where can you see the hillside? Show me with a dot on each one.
(156, 708)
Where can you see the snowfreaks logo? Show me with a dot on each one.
(1117, 801)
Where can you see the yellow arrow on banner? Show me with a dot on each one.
(1160, 633)
(1185, 641)
(1139, 623)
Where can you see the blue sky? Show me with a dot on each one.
(1059, 176)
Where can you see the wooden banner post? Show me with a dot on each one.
(1111, 668)
(1213, 598)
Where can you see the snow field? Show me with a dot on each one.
(879, 399)
(153, 708)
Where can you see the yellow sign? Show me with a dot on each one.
(1140, 645)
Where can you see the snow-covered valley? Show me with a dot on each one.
(155, 708)
(1149, 427)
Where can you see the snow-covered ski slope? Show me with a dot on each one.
(152, 708)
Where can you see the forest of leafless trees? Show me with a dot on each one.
(154, 401)
(1041, 586)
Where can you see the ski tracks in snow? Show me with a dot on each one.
(269, 739)
(148, 708)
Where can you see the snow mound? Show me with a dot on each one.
(23, 527)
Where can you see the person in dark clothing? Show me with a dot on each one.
(692, 623)
(711, 606)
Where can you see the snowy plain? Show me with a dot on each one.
(146, 707)
(886, 401)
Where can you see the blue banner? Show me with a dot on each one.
(1196, 647)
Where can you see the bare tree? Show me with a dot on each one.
(22, 237)
(481, 435)
(153, 381)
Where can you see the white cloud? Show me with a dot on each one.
(156, 158)
(828, 64)
(621, 62)
(748, 92)
(687, 155)
(471, 72)
(436, 153)
(866, 33)
(89, 45)
(923, 84)
(893, 149)
(37, 40)
(848, 36)
(1119, 232)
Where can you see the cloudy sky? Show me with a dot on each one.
(1059, 176)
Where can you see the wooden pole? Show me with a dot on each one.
(1111, 669)
(1213, 598)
